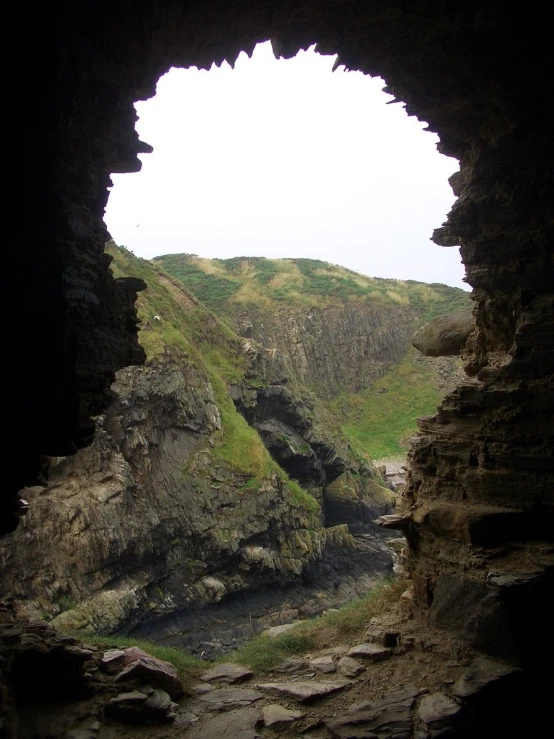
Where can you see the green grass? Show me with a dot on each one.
(301, 497)
(306, 282)
(343, 626)
(378, 424)
(212, 290)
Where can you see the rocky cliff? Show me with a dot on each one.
(340, 338)
(177, 510)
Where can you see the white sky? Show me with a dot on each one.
(283, 158)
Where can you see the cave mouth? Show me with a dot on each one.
(282, 158)
(254, 143)
(477, 74)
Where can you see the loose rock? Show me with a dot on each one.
(292, 666)
(227, 673)
(278, 717)
(349, 667)
(370, 652)
(306, 692)
(481, 675)
(444, 336)
(389, 717)
(324, 664)
(224, 699)
(437, 711)
(155, 671)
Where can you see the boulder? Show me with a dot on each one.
(444, 336)
(155, 671)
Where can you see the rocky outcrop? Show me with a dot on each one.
(334, 349)
(147, 527)
(357, 501)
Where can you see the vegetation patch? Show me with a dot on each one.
(344, 625)
(379, 420)
(212, 290)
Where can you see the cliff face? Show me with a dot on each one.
(330, 335)
(177, 508)
(335, 348)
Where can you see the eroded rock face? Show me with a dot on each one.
(148, 529)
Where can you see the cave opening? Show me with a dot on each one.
(287, 159)
(282, 158)
(477, 73)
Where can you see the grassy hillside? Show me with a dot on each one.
(175, 324)
(378, 419)
(224, 285)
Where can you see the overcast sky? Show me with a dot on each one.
(284, 158)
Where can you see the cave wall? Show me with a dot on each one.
(479, 74)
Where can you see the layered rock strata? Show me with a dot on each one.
(146, 528)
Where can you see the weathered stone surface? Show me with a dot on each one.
(350, 667)
(141, 707)
(225, 699)
(292, 666)
(380, 634)
(389, 717)
(477, 75)
(278, 717)
(439, 713)
(370, 652)
(355, 501)
(324, 664)
(227, 672)
(484, 675)
(397, 544)
(164, 416)
(305, 692)
(112, 658)
(475, 610)
(154, 671)
(239, 724)
(445, 335)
